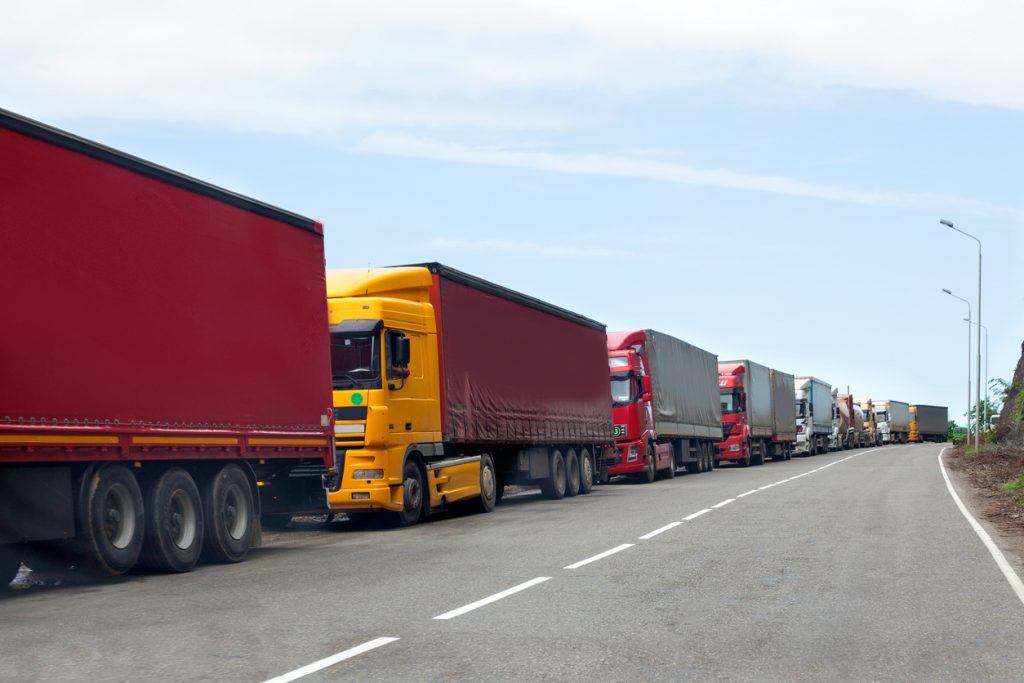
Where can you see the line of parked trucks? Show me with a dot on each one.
(171, 377)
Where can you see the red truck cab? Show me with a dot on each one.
(637, 450)
(735, 431)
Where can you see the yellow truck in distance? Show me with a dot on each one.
(447, 387)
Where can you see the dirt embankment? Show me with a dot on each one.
(988, 474)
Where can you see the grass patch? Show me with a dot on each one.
(1013, 485)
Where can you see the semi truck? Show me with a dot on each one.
(928, 423)
(448, 387)
(870, 423)
(813, 415)
(844, 430)
(163, 363)
(861, 436)
(665, 405)
(893, 421)
(758, 417)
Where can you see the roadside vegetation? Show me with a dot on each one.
(995, 472)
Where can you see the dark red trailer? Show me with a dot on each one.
(164, 359)
(522, 377)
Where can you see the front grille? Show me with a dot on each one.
(350, 413)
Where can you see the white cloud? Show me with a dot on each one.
(552, 251)
(315, 65)
(397, 144)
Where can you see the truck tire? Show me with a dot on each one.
(651, 472)
(586, 471)
(174, 523)
(488, 485)
(230, 515)
(553, 486)
(670, 472)
(412, 495)
(572, 473)
(757, 453)
(113, 521)
(10, 564)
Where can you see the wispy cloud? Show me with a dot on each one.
(551, 251)
(316, 65)
(399, 144)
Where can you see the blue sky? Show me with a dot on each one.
(762, 182)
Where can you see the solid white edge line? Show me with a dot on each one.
(993, 549)
(599, 556)
(670, 525)
(748, 493)
(492, 598)
(723, 504)
(766, 486)
(332, 660)
(697, 514)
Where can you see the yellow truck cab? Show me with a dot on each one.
(385, 385)
(435, 400)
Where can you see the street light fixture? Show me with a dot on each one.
(968, 413)
(987, 425)
(949, 224)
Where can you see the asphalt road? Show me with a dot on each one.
(859, 568)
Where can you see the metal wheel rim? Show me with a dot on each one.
(119, 516)
(236, 512)
(586, 470)
(412, 494)
(488, 485)
(184, 519)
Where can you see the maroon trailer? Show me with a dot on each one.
(522, 379)
(164, 360)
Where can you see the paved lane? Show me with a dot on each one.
(863, 569)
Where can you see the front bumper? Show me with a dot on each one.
(628, 459)
(362, 494)
(732, 448)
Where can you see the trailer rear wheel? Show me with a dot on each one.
(174, 523)
(228, 502)
(113, 521)
(586, 471)
(553, 486)
(572, 473)
(488, 485)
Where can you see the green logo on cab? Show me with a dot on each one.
(357, 399)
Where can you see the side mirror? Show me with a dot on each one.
(647, 384)
(401, 351)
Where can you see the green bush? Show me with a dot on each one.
(1013, 485)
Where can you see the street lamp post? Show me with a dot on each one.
(986, 371)
(949, 224)
(968, 414)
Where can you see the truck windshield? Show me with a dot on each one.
(729, 403)
(801, 408)
(881, 416)
(355, 362)
(622, 390)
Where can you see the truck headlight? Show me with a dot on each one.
(368, 474)
(631, 454)
(734, 447)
